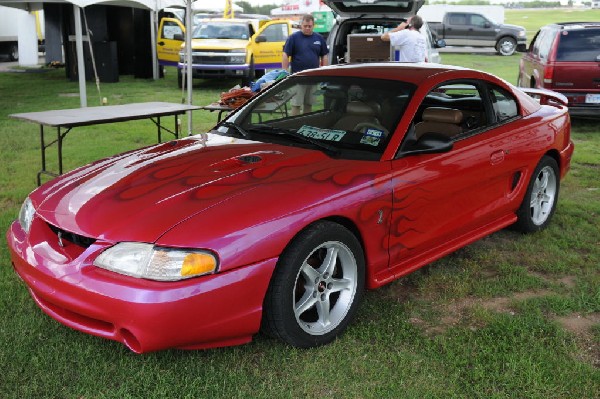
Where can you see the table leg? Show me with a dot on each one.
(176, 127)
(59, 143)
(43, 149)
(158, 128)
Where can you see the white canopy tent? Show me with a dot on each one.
(152, 5)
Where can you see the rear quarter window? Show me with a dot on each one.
(579, 45)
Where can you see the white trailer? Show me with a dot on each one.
(9, 30)
(435, 13)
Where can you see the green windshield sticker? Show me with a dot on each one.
(321, 134)
(372, 137)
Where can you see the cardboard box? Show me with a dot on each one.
(367, 47)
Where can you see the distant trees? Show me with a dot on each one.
(250, 9)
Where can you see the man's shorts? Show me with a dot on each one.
(305, 94)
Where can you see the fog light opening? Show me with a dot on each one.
(130, 340)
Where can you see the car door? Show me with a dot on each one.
(168, 44)
(482, 32)
(444, 199)
(456, 30)
(268, 44)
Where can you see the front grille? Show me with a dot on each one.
(206, 60)
(76, 239)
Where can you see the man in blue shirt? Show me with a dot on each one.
(308, 50)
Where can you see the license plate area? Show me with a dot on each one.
(592, 98)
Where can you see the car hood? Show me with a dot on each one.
(515, 27)
(375, 8)
(140, 195)
(216, 44)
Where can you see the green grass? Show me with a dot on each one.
(533, 19)
(485, 322)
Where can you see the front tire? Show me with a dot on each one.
(246, 80)
(506, 46)
(316, 287)
(180, 78)
(539, 203)
(13, 52)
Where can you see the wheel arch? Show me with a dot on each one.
(343, 221)
(554, 154)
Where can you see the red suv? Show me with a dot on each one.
(565, 57)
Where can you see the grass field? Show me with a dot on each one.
(533, 19)
(509, 316)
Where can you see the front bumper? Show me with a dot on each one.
(210, 311)
(217, 71)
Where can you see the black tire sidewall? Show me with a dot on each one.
(524, 222)
(279, 302)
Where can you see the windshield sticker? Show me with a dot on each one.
(372, 137)
(321, 134)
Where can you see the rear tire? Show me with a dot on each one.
(316, 287)
(541, 197)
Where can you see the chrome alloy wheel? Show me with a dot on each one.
(543, 195)
(325, 288)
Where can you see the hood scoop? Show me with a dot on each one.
(249, 159)
(245, 160)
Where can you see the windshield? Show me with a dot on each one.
(344, 116)
(221, 30)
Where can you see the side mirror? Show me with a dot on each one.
(178, 36)
(486, 24)
(440, 43)
(260, 39)
(429, 143)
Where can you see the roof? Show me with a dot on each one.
(409, 72)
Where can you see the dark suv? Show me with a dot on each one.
(565, 57)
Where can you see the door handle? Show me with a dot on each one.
(497, 157)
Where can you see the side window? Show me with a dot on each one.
(170, 29)
(545, 45)
(478, 20)
(276, 33)
(504, 105)
(457, 19)
(453, 109)
(535, 43)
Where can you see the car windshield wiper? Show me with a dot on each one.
(299, 137)
(238, 128)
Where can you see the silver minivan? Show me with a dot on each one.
(360, 19)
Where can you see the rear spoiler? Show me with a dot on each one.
(546, 97)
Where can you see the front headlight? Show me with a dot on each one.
(156, 263)
(26, 214)
(522, 33)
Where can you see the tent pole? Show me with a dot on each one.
(153, 29)
(80, 59)
(188, 51)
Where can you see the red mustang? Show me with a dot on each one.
(330, 182)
